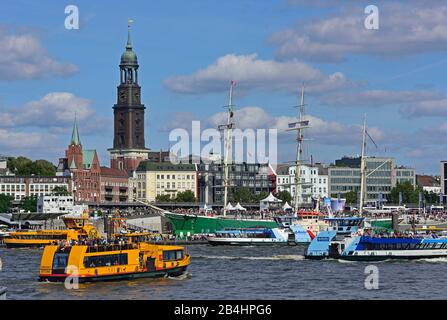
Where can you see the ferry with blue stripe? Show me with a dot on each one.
(345, 241)
(261, 236)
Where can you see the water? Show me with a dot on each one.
(241, 273)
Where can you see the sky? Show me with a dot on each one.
(188, 52)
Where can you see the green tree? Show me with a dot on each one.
(284, 195)
(242, 195)
(25, 167)
(410, 194)
(5, 203)
(29, 204)
(60, 191)
(44, 168)
(185, 196)
(260, 196)
(163, 198)
(351, 197)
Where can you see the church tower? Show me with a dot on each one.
(74, 151)
(128, 141)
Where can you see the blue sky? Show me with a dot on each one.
(189, 50)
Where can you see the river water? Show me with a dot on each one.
(241, 273)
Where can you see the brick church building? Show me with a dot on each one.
(83, 167)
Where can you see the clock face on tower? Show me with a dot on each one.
(122, 96)
(136, 98)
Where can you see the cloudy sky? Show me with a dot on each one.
(189, 50)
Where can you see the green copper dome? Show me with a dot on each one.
(129, 57)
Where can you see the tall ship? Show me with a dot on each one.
(189, 224)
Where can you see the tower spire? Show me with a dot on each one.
(129, 41)
(75, 133)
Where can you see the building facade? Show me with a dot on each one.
(314, 181)
(19, 187)
(153, 179)
(258, 178)
(114, 185)
(382, 175)
(128, 141)
(429, 183)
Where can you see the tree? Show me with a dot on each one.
(25, 167)
(284, 195)
(29, 204)
(242, 195)
(351, 197)
(163, 198)
(44, 168)
(185, 196)
(410, 194)
(261, 196)
(5, 203)
(60, 191)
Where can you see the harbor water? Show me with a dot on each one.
(241, 273)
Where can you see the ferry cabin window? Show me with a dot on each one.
(60, 261)
(105, 260)
(173, 255)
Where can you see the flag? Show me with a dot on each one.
(233, 83)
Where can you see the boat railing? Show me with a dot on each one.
(111, 247)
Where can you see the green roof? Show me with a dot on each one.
(165, 166)
(88, 156)
(75, 134)
(73, 164)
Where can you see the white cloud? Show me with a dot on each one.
(23, 57)
(405, 29)
(11, 139)
(55, 109)
(429, 108)
(377, 98)
(252, 73)
(324, 132)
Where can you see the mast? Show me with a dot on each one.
(299, 151)
(362, 168)
(227, 144)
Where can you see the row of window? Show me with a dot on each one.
(105, 260)
(173, 177)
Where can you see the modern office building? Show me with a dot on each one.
(258, 178)
(382, 175)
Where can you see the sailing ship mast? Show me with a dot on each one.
(227, 144)
(362, 168)
(302, 124)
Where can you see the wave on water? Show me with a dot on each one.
(434, 260)
(183, 276)
(274, 257)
